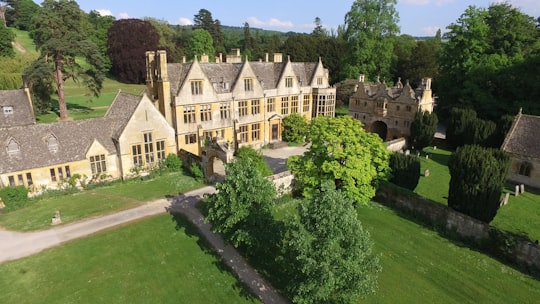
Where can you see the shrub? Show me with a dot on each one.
(405, 170)
(196, 172)
(423, 129)
(295, 128)
(14, 197)
(173, 163)
(256, 158)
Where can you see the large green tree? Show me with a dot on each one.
(332, 259)
(19, 13)
(295, 128)
(343, 153)
(127, 52)
(201, 43)
(168, 39)
(65, 49)
(241, 208)
(204, 20)
(370, 28)
(481, 63)
(477, 177)
(97, 28)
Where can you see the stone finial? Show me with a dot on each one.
(56, 219)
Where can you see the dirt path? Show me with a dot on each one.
(16, 245)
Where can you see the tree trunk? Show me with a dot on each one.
(62, 107)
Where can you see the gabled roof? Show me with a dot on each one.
(22, 113)
(522, 138)
(72, 139)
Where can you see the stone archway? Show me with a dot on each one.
(218, 153)
(380, 128)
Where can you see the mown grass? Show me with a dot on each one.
(102, 200)
(521, 215)
(156, 260)
(24, 40)
(420, 266)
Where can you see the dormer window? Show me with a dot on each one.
(196, 87)
(288, 82)
(52, 143)
(13, 147)
(248, 84)
(8, 110)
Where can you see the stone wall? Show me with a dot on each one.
(282, 181)
(396, 144)
(516, 249)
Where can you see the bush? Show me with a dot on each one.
(196, 172)
(423, 129)
(405, 170)
(173, 163)
(295, 128)
(256, 158)
(14, 197)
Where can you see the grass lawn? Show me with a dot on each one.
(156, 260)
(23, 39)
(102, 200)
(342, 110)
(521, 215)
(419, 266)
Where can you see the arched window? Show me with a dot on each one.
(525, 168)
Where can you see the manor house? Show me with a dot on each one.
(185, 106)
(389, 111)
(236, 102)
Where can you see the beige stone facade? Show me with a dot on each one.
(240, 103)
(389, 111)
(132, 136)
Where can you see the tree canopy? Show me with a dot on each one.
(63, 45)
(343, 153)
(333, 260)
(423, 129)
(295, 128)
(127, 52)
(477, 177)
(6, 38)
(370, 26)
(200, 44)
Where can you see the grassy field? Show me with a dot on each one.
(156, 260)
(521, 215)
(102, 200)
(419, 266)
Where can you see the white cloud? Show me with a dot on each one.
(273, 22)
(185, 21)
(430, 30)
(104, 12)
(123, 16)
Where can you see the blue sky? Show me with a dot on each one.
(417, 17)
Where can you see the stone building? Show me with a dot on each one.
(236, 103)
(523, 145)
(389, 111)
(132, 135)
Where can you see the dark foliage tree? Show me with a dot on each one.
(319, 30)
(42, 88)
(465, 128)
(241, 208)
(295, 128)
(405, 170)
(168, 39)
(344, 91)
(204, 20)
(477, 177)
(370, 27)
(404, 46)
(423, 129)
(19, 13)
(330, 252)
(127, 52)
(63, 45)
(6, 38)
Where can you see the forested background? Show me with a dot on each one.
(488, 60)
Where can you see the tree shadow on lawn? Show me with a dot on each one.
(190, 229)
(455, 239)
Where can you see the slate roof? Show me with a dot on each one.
(74, 138)
(22, 114)
(268, 73)
(522, 138)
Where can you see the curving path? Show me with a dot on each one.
(15, 245)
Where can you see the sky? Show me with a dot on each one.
(417, 17)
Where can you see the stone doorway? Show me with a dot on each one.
(214, 157)
(380, 128)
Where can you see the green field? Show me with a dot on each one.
(521, 215)
(157, 260)
(101, 200)
(420, 266)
